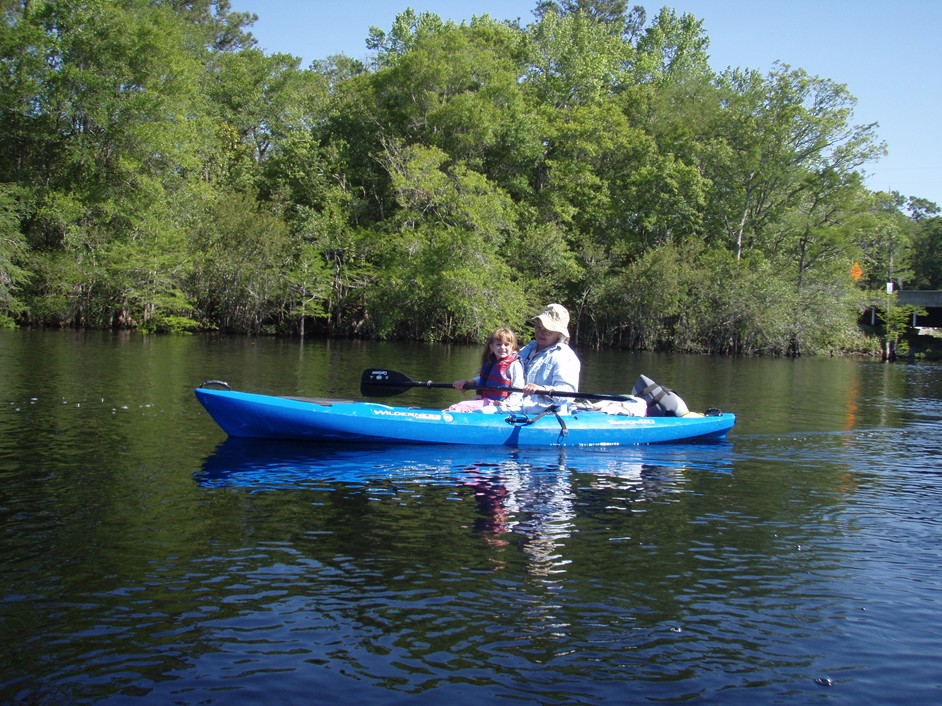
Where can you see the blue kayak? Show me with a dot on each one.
(256, 416)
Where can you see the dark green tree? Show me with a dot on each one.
(927, 244)
(12, 255)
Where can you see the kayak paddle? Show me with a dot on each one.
(376, 382)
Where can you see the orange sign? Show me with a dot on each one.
(856, 272)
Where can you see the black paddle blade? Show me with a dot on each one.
(376, 382)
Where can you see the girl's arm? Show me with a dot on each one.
(465, 384)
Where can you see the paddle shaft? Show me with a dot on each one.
(386, 380)
(485, 388)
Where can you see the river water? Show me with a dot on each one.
(146, 558)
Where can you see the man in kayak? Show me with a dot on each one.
(549, 364)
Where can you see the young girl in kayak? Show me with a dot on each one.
(500, 367)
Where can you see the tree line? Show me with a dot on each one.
(161, 173)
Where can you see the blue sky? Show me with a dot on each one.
(888, 53)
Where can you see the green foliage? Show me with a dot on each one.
(338, 260)
(54, 296)
(13, 250)
(671, 50)
(241, 253)
(575, 60)
(896, 320)
(407, 31)
(169, 323)
(543, 262)
(162, 173)
(640, 306)
(444, 277)
(926, 244)
(776, 137)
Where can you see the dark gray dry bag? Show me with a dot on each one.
(662, 401)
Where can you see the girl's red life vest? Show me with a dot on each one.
(494, 374)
